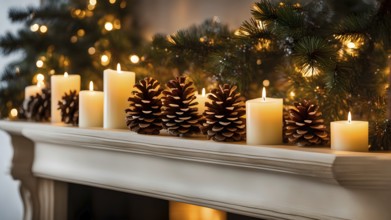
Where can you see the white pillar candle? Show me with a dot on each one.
(33, 90)
(90, 108)
(349, 135)
(117, 88)
(59, 85)
(264, 120)
(201, 99)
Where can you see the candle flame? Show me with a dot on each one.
(349, 118)
(118, 67)
(91, 86)
(65, 74)
(203, 92)
(40, 84)
(264, 94)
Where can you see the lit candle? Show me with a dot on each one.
(60, 84)
(201, 99)
(349, 135)
(90, 108)
(264, 120)
(117, 88)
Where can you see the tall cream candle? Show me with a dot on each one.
(90, 108)
(264, 120)
(59, 85)
(201, 99)
(117, 88)
(349, 135)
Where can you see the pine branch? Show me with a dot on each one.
(31, 14)
(314, 52)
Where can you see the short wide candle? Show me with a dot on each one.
(349, 135)
(90, 108)
(117, 88)
(264, 120)
(59, 85)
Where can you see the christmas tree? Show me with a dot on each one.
(77, 37)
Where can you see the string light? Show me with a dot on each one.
(105, 58)
(81, 33)
(351, 45)
(34, 27)
(92, 2)
(43, 29)
(292, 94)
(13, 113)
(108, 26)
(134, 58)
(39, 63)
(112, 1)
(91, 51)
(40, 77)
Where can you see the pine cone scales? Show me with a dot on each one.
(305, 125)
(69, 107)
(179, 112)
(225, 115)
(143, 114)
(38, 107)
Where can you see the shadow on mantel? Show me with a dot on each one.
(89, 203)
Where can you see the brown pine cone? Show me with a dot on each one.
(179, 112)
(38, 107)
(225, 115)
(69, 107)
(143, 114)
(305, 125)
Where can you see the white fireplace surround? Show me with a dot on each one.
(270, 182)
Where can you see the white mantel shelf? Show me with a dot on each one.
(272, 182)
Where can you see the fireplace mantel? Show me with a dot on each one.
(271, 182)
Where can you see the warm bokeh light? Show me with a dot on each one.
(43, 29)
(91, 51)
(108, 26)
(266, 83)
(292, 94)
(13, 113)
(104, 59)
(40, 77)
(134, 58)
(34, 27)
(39, 63)
(351, 45)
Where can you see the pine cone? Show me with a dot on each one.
(143, 114)
(69, 107)
(305, 125)
(38, 106)
(225, 115)
(179, 112)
